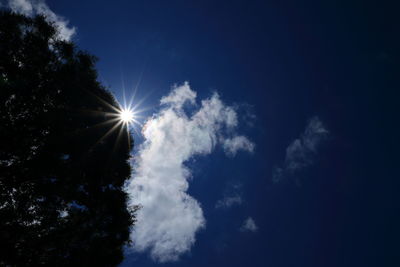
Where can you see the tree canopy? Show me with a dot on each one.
(62, 166)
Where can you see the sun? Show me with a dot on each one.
(126, 116)
(122, 117)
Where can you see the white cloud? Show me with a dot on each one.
(21, 6)
(169, 218)
(232, 145)
(249, 225)
(179, 96)
(39, 7)
(302, 151)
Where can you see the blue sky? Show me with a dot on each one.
(312, 86)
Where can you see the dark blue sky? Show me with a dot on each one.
(284, 62)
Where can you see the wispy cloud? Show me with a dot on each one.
(232, 145)
(302, 151)
(232, 197)
(228, 201)
(249, 225)
(39, 7)
(169, 218)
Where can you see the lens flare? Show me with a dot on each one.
(126, 116)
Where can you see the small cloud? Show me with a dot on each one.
(249, 225)
(302, 151)
(228, 201)
(233, 145)
(39, 7)
(232, 197)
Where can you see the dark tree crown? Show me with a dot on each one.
(61, 180)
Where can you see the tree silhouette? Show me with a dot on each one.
(62, 167)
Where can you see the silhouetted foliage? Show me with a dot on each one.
(61, 197)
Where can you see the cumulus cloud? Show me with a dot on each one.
(169, 217)
(39, 7)
(249, 225)
(302, 151)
